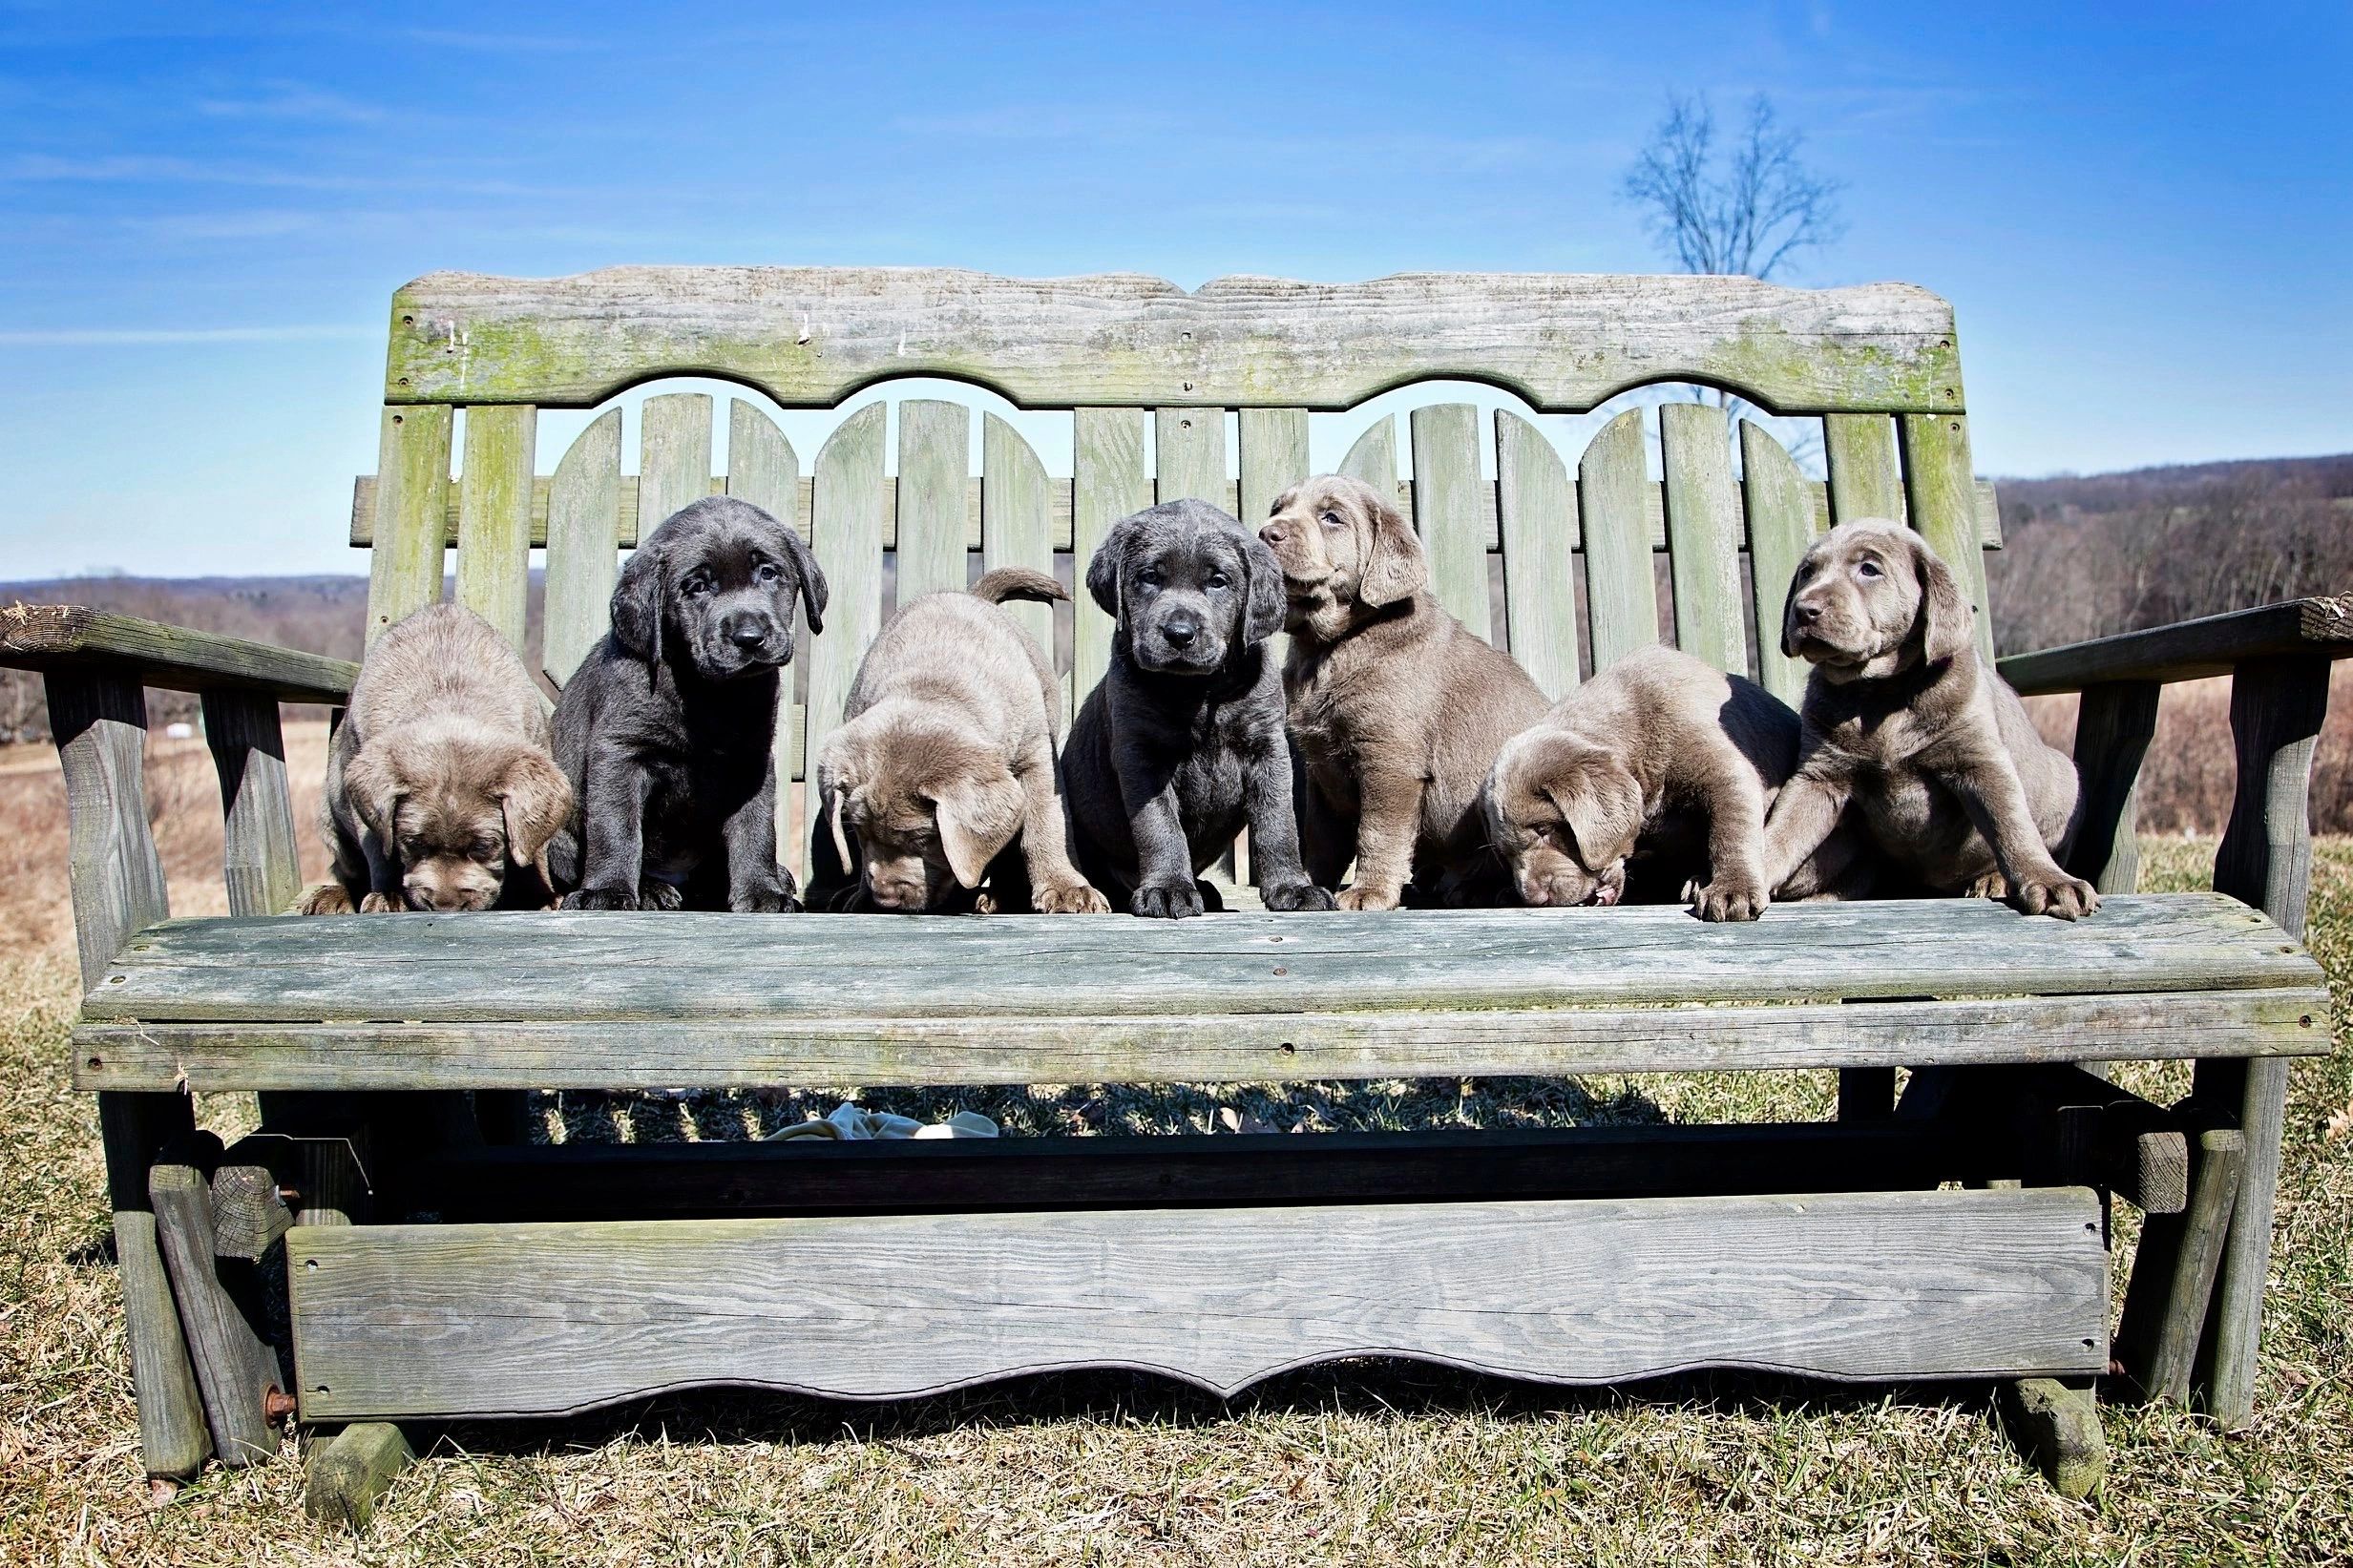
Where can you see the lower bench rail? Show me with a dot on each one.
(483, 1320)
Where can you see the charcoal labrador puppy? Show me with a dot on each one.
(667, 728)
(1183, 741)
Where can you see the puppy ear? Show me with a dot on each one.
(371, 783)
(1393, 567)
(1944, 616)
(1602, 805)
(833, 786)
(814, 590)
(1262, 617)
(637, 603)
(1103, 568)
(1789, 608)
(535, 803)
(841, 835)
(977, 817)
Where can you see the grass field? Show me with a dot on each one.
(1359, 1464)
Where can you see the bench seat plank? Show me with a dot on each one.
(545, 1319)
(556, 1000)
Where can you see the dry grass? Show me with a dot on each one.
(1363, 1463)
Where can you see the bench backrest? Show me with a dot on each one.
(1147, 368)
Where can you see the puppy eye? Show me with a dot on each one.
(1218, 580)
(1867, 567)
(694, 587)
(1330, 519)
(769, 571)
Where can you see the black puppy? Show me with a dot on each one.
(667, 728)
(1184, 740)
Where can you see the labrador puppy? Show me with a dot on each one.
(1663, 763)
(1935, 753)
(440, 792)
(1396, 709)
(1182, 742)
(666, 727)
(942, 773)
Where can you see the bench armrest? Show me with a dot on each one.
(60, 637)
(2191, 649)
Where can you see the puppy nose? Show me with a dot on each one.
(1807, 614)
(424, 898)
(743, 631)
(1274, 533)
(1181, 630)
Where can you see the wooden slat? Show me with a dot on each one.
(412, 466)
(1782, 523)
(1943, 491)
(1372, 459)
(674, 455)
(260, 861)
(506, 1319)
(1612, 484)
(811, 336)
(583, 547)
(236, 1369)
(493, 541)
(1108, 483)
(1014, 524)
(845, 531)
(2174, 1269)
(70, 639)
(1446, 510)
(2188, 650)
(934, 469)
(1859, 450)
(99, 721)
(1703, 534)
(1188, 447)
(764, 470)
(1537, 514)
(2113, 726)
(1275, 457)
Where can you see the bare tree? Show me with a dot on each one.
(1746, 210)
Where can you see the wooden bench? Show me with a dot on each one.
(434, 1262)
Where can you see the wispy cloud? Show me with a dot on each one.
(293, 101)
(505, 43)
(129, 169)
(148, 337)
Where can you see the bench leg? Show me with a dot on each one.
(174, 1441)
(236, 1368)
(2224, 1382)
(2058, 1427)
(350, 1471)
(2174, 1271)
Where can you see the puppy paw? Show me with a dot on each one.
(653, 893)
(375, 903)
(1362, 897)
(600, 898)
(2060, 896)
(1729, 900)
(326, 898)
(1292, 897)
(763, 901)
(1992, 884)
(1070, 898)
(1174, 901)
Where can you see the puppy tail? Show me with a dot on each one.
(1019, 582)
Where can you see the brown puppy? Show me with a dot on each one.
(944, 765)
(1398, 711)
(1663, 760)
(1945, 769)
(440, 790)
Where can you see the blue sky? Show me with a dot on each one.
(2141, 213)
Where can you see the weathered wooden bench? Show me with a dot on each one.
(434, 1262)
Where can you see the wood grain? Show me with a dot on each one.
(811, 336)
(1372, 459)
(412, 496)
(1613, 486)
(1108, 483)
(674, 455)
(494, 1320)
(1446, 485)
(70, 639)
(1783, 524)
(1703, 534)
(1189, 456)
(1942, 490)
(584, 538)
(846, 535)
(934, 467)
(764, 470)
(1859, 451)
(1537, 517)
(261, 863)
(2174, 1268)
(2190, 650)
(2112, 729)
(236, 1369)
(1014, 522)
(493, 499)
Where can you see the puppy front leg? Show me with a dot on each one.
(756, 884)
(1736, 887)
(1802, 816)
(386, 894)
(1996, 801)
(1283, 881)
(1164, 887)
(613, 824)
(1389, 818)
(1055, 887)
